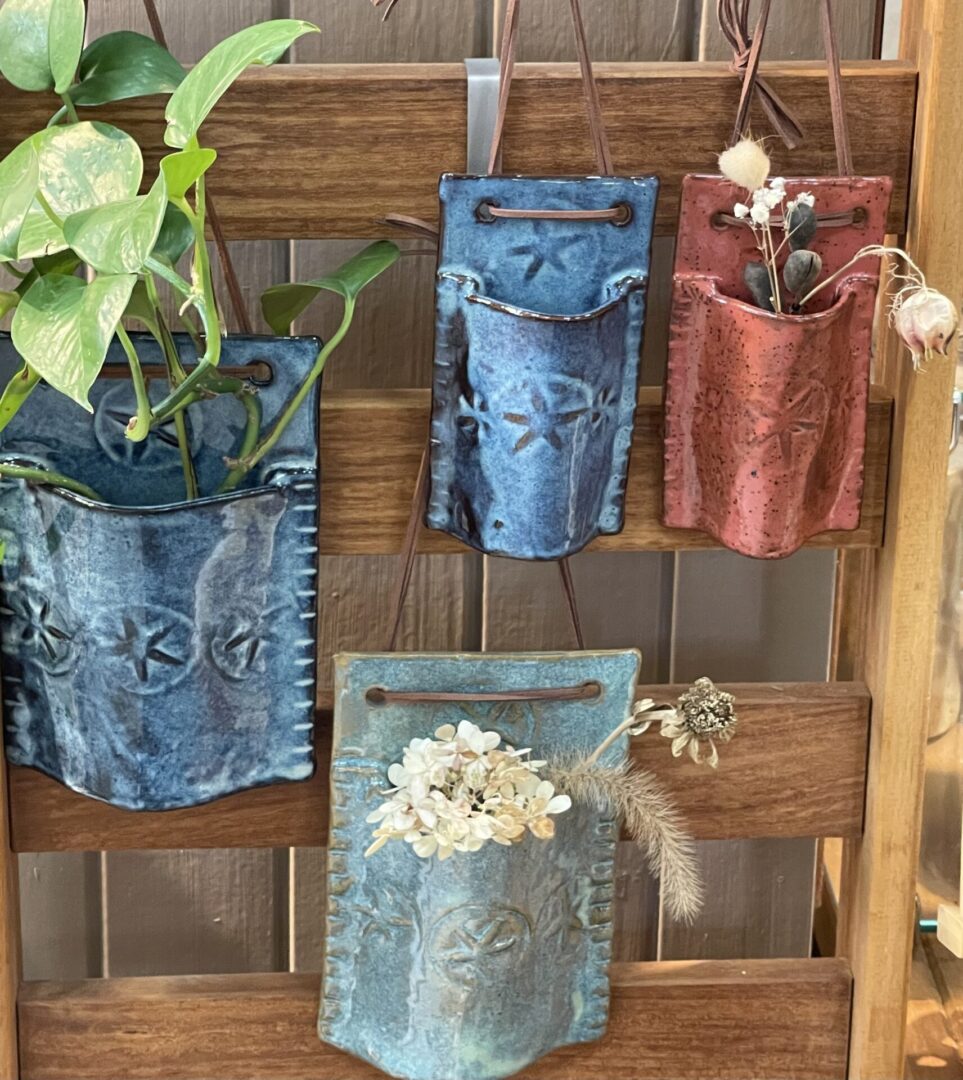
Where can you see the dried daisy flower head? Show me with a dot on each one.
(705, 716)
(462, 789)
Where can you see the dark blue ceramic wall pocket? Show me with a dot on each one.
(473, 967)
(160, 653)
(539, 331)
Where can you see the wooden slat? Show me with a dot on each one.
(670, 1021)
(10, 960)
(371, 443)
(304, 157)
(794, 769)
(876, 914)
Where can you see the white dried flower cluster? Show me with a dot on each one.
(461, 789)
(765, 199)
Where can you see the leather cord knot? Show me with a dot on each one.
(734, 23)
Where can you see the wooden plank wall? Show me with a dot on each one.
(176, 912)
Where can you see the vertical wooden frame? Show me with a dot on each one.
(9, 940)
(879, 871)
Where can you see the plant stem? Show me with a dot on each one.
(52, 479)
(870, 249)
(175, 376)
(70, 107)
(248, 462)
(252, 405)
(637, 719)
(139, 426)
(16, 393)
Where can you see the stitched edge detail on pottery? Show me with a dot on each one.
(303, 652)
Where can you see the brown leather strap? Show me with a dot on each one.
(377, 695)
(220, 242)
(415, 225)
(844, 153)
(600, 142)
(565, 572)
(409, 546)
(734, 21)
(618, 215)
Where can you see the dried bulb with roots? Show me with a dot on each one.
(926, 320)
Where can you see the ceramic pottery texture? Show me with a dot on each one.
(157, 656)
(539, 328)
(472, 968)
(765, 414)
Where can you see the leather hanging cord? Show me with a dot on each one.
(733, 19)
(844, 153)
(593, 106)
(220, 242)
(734, 22)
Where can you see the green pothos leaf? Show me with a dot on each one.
(282, 304)
(125, 65)
(40, 42)
(183, 169)
(117, 238)
(19, 176)
(63, 326)
(213, 74)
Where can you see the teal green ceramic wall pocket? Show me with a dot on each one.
(472, 968)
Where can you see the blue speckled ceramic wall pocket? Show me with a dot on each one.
(472, 968)
(539, 331)
(160, 653)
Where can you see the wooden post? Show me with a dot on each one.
(879, 871)
(9, 940)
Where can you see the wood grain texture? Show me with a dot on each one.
(62, 915)
(371, 444)
(672, 1021)
(879, 871)
(10, 964)
(670, 119)
(795, 769)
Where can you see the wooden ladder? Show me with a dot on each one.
(807, 762)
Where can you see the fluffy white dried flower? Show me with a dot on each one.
(461, 789)
(746, 164)
(741, 210)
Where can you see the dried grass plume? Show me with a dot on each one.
(746, 164)
(636, 798)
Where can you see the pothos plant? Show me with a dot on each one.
(92, 253)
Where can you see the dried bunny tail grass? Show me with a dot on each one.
(650, 818)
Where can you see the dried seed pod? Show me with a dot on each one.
(926, 320)
(801, 270)
(801, 224)
(756, 277)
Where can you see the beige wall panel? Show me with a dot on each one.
(195, 912)
(61, 915)
(352, 31)
(793, 32)
(616, 29)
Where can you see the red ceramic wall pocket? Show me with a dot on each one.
(765, 413)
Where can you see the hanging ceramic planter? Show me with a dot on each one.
(765, 413)
(183, 669)
(765, 405)
(473, 967)
(540, 311)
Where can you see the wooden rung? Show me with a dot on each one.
(796, 768)
(728, 1019)
(319, 151)
(372, 441)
